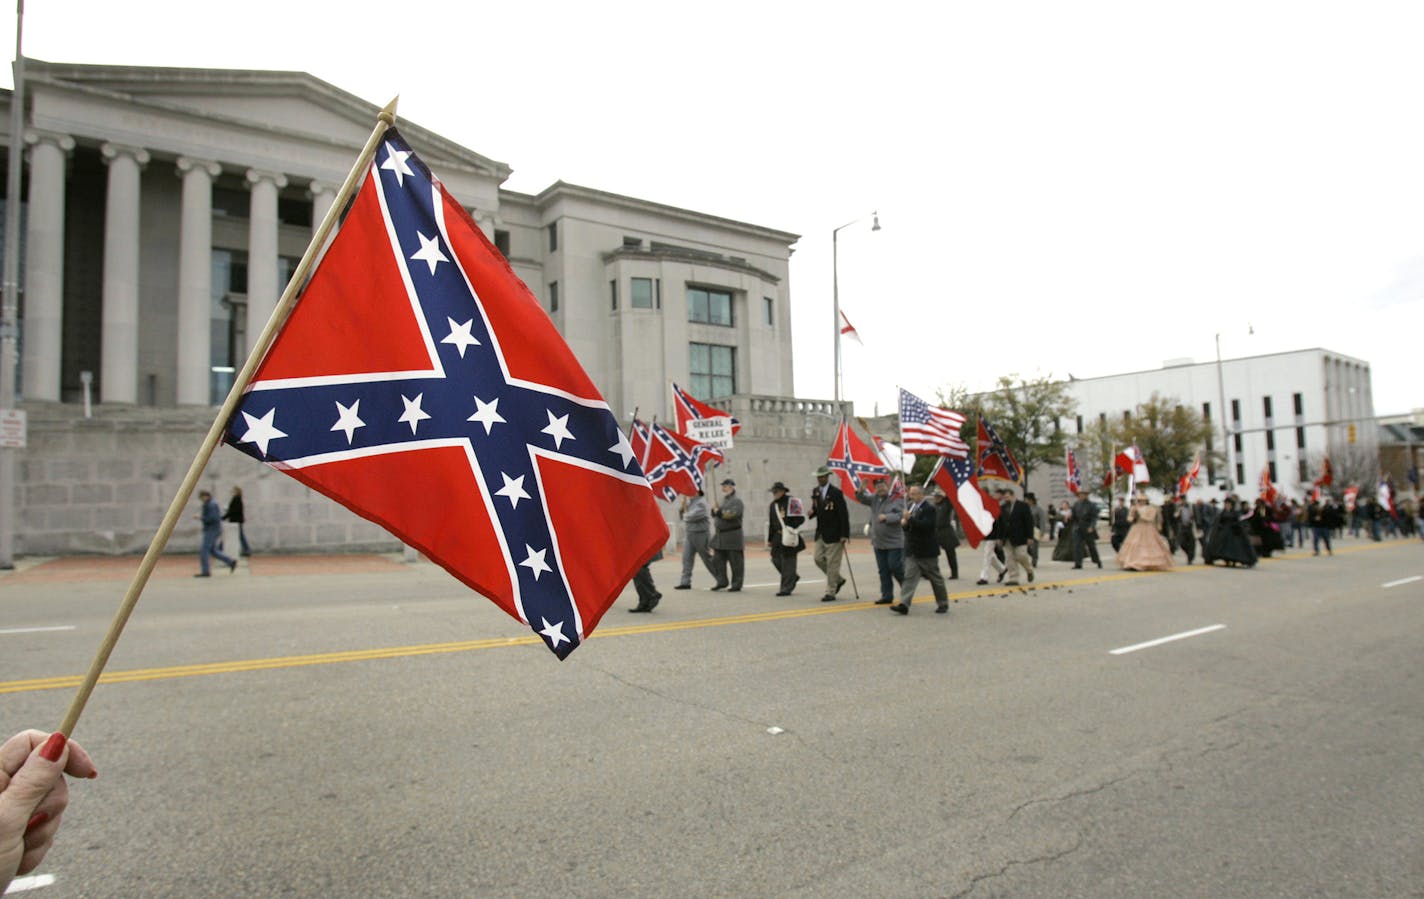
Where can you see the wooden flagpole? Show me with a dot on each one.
(385, 119)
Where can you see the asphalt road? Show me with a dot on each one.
(745, 745)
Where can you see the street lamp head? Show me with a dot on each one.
(875, 223)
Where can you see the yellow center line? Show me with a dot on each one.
(72, 681)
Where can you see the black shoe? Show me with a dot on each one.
(683, 587)
(941, 610)
(734, 589)
(828, 598)
(232, 566)
(1077, 567)
(883, 602)
(654, 604)
(783, 592)
(1100, 564)
(900, 608)
(1001, 575)
(640, 609)
(1030, 575)
(716, 587)
(981, 582)
(202, 574)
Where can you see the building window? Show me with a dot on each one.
(1270, 441)
(633, 243)
(1235, 414)
(641, 293)
(1240, 473)
(1266, 406)
(709, 306)
(553, 296)
(1080, 424)
(769, 305)
(1271, 466)
(553, 230)
(712, 369)
(1299, 401)
(501, 242)
(1300, 438)
(613, 293)
(1303, 471)
(1206, 412)
(1127, 415)
(1236, 439)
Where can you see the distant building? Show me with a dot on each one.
(1283, 411)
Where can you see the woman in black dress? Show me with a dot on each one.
(1228, 540)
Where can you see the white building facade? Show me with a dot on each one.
(1284, 411)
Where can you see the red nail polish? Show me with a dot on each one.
(53, 747)
(36, 821)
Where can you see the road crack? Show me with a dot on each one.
(1017, 863)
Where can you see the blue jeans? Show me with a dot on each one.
(211, 536)
(891, 563)
(1322, 534)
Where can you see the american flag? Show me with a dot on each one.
(463, 424)
(928, 429)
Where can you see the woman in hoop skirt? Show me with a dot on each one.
(1227, 540)
(1144, 548)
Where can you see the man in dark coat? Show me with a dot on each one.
(1121, 521)
(828, 507)
(211, 517)
(921, 554)
(728, 545)
(785, 514)
(947, 532)
(1084, 520)
(1018, 531)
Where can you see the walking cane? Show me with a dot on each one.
(851, 572)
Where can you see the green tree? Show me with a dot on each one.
(1025, 413)
(1169, 436)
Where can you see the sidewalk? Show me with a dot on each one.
(74, 569)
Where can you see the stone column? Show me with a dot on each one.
(262, 286)
(322, 196)
(195, 252)
(118, 359)
(44, 265)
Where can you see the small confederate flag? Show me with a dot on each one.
(977, 509)
(418, 383)
(1185, 482)
(1267, 490)
(1327, 473)
(688, 407)
(672, 462)
(1074, 478)
(896, 461)
(995, 460)
(853, 461)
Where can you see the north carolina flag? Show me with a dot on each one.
(419, 383)
(977, 509)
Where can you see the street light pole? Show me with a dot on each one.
(836, 294)
(1225, 422)
(10, 291)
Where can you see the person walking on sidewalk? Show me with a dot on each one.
(211, 518)
(828, 507)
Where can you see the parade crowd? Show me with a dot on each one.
(910, 529)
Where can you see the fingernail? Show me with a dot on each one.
(36, 821)
(53, 747)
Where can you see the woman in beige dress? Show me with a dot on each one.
(1144, 548)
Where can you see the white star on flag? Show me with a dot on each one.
(555, 632)
(460, 335)
(535, 562)
(430, 254)
(395, 162)
(261, 431)
(558, 429)
(413, 414)
(623, 448)
(486, 413)
(347, 420)
(514, 489)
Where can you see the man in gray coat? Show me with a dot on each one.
(728, 545)
(887, 537)
(697, 536)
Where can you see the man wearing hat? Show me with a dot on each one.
(783, 518)
(828, 507)
(727, 543)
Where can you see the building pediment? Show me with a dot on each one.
(295, 104)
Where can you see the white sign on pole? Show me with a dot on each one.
(712, 431)
(12, 428)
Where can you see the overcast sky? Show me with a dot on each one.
(1063, 187)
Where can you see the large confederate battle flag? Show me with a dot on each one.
(418, 383)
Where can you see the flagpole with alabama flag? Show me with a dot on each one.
(384, 120)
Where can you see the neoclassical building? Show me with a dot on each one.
(164, 210)
(166, 207)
